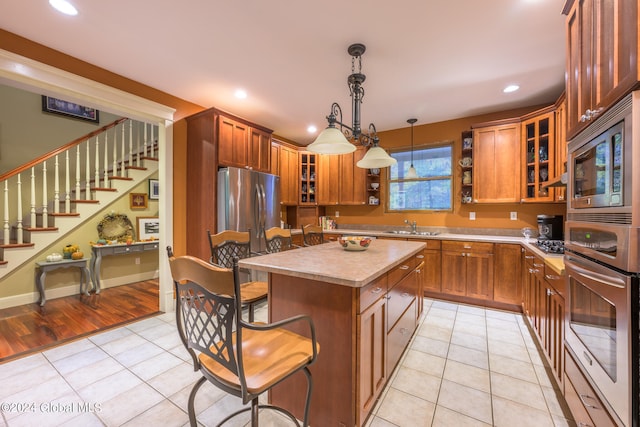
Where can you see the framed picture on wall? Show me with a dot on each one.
(154, 189)
(148, 228)
(138, 201)
(69, 109)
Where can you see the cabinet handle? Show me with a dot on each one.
(463, 254)
(419, 256)
(404, 267)
(550, 292)
(585, 396)
(533, 270)
(376, 290)
(552, 277)
(405, 294)
(538, 265)
(467, 246)
(529, 257)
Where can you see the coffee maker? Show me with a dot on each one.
(550, 227)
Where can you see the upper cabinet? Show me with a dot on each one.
(466, 164)
(340, 181)
(561, 147)
(308, 178)
(538, 155)
(496, 162)
(602, 42)
(284, 163)
(242, 144)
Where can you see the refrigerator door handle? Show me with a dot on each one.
(263, 216)
(257, 209)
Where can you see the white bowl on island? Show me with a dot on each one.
(354, 243)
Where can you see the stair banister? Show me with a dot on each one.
(19, 212)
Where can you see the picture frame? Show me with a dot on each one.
(154, 189)
(147, 228)
(69, 109)
(138, 201)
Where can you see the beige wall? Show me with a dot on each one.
(116, 270)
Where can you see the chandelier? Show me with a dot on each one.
(334, 141)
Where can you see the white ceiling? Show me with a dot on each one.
(430, 59)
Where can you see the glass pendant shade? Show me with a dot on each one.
(412, 173)
(376, 157)
(331, 141)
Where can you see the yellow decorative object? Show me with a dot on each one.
(68, 250)
(77, 255)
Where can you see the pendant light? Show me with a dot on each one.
(332, 140)
(412, 173)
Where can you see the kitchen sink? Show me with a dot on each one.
(418, 233)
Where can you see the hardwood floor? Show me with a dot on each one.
(29, 328)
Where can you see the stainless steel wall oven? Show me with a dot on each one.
(602, 258)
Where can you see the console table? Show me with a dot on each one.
(46, 266)
(100, 251)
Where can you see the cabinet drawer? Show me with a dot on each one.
(400, 297)
(401, 270)
(432, 244)
(372, 292)
(558, 282)
(480, 247)
(126, 249)
(399, 336)
(581, 398)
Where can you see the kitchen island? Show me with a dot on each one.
(365, 308)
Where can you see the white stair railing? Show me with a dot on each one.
(113, 162)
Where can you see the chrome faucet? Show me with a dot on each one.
(414, 226)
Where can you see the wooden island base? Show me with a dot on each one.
(365, 309)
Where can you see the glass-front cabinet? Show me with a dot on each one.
(539, 152)
(308, 175)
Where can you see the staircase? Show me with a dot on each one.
(103, 166)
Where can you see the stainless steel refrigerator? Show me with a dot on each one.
(248, 200)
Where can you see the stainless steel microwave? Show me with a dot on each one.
(599, 162)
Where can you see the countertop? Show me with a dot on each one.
(330, 263)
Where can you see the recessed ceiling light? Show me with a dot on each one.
(312, 129)
(63, 6)
(241, 93)
(511, 88)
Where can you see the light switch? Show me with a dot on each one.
(514, 216)
(472, 216)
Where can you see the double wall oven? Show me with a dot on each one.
(602, 258)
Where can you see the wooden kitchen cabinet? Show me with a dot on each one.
(466, 175)
(215, 138)
(467, 269)
(538, 155)
(243, 145)
(287, 170)
(308, 174)
(432, 267)
(561, 146)
(372, 342)
(507, 284)
(340, 181)
(602, 57)
(496, 162)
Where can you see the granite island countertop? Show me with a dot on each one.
(331, 263)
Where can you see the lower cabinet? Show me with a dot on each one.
(467, 269)
(372, 339)
(507, 283)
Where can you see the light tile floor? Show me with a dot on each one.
(465, 366)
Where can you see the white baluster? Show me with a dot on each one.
(56, 187)
(7, 236)
(130, 142)
(114, 166)
(96, 177)
(138, 144)
(45, 201)
(153, 141)
(78, 172)
(67, 186)
(122, 155)
(87, 173)
(19, 213)
(105, 174)
(145, 141)
(33, 197)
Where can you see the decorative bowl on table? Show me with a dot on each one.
(354, 243)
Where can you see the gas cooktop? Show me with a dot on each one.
(551, 246)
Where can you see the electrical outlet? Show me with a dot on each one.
(137, 260)
(337, 214)
(472, 216)
(514, 216)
